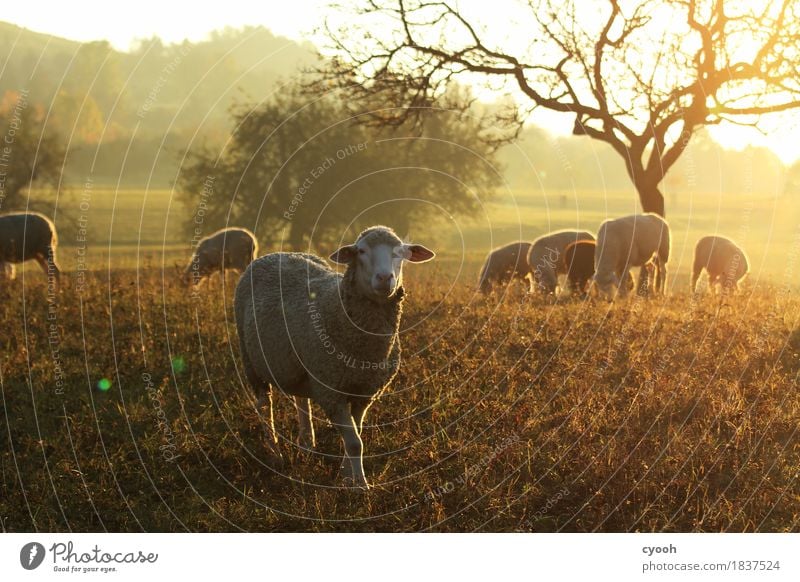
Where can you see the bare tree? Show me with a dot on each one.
(641, 76)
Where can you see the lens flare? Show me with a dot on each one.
(178, 364)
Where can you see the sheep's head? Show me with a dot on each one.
(197, 268)
(375, 261)
(188, 274)
(606, 283)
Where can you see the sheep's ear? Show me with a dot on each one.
(345, 255)
(417, 253)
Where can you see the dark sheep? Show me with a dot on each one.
(25, 236)
(579, 258)
(546, 258)
(724, 261)
(504, 264)
(229, 248)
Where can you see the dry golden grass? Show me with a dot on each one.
(509, 413)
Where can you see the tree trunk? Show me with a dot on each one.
(651, 198)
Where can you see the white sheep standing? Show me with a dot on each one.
(228, 248)
(546, 257)
(638, 240)
(317, 334)
(504, 264)
(724, 261)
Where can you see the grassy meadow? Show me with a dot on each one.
(124, 407)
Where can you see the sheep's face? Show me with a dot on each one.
(377, 258)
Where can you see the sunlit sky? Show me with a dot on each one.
(121, 23)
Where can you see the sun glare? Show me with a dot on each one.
(505, 24)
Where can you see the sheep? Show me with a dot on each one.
(25, 236)
(631, 241)
(228, 248)
(505, 264)
(579, 258)
(546, 257)
(319, 335)
(724, 261)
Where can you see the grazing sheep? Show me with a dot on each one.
(317, 334)
(579, 258)
(631, 241)
(229, 248)
(25, 236)
(724, 261)
(505, 264)
(546, 257)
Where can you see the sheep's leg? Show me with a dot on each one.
(306, 422)
(661, 276)
(643, 288)
(48, 264)
(728, 285)
(629, 282)
(53, 266)
(358, 410)
(622, 288)
(729, 279)
(263, 392)
(531, 283)
(552, 282)
(713, 281)
(573, 283)
(353, 462)
(583, 287)
(275, 458)
(698, 269)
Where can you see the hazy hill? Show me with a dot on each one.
(147, 103)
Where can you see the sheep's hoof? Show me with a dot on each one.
(352, 483)
(350, 480)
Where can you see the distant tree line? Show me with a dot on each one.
(97, 98)
(27, 154)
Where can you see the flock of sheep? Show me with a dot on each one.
(331, 337)
(602, 265)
